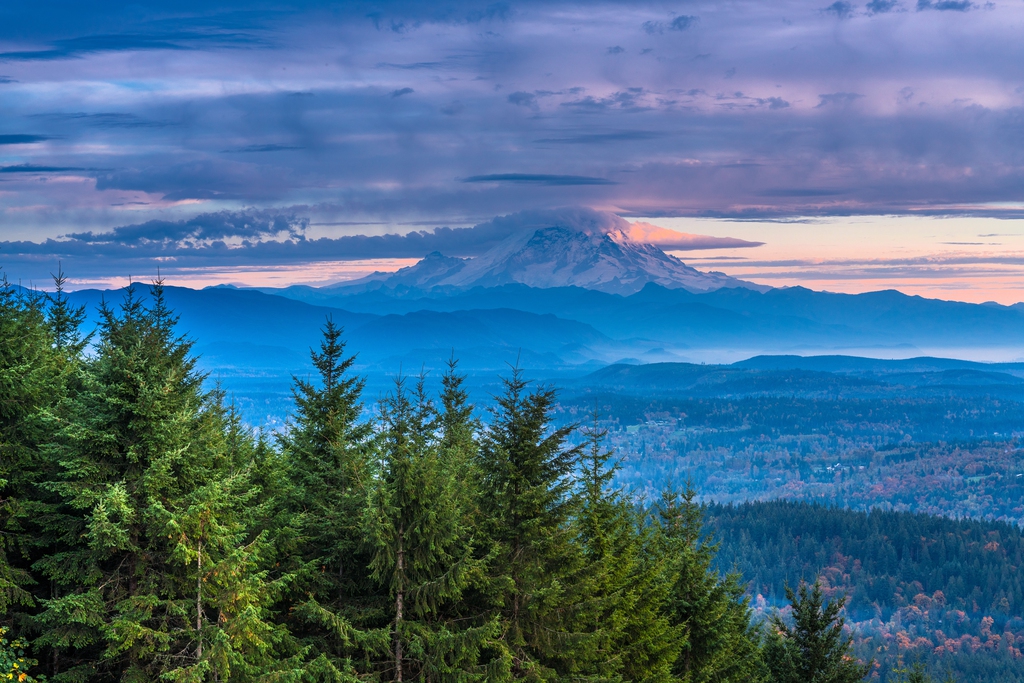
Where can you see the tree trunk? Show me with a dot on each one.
(399, 605)
(199, 602)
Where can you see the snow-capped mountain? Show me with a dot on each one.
(596, 255)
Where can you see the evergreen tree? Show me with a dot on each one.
(327, 454)
(31, 383)
(526, 483)
(918, 673)
(423, 551)
(813, 649)
(65, 321)
(158, 575)
(719, 644)
(622, 587)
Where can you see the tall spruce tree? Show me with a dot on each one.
(622, 587)
(813, 649)
(30, 384)
(526, 501)
(158, 575)
(327, 450)
(422, 549)
(719, 642)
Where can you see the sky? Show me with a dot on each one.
(867, 145)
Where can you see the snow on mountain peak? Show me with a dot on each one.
(573, 247)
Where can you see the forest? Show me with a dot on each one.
(949, 455)
(148, 534)
(919, 587)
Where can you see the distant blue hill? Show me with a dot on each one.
(775, 320)
(812, 377)
(254, 341)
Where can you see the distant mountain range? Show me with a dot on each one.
(254, 341)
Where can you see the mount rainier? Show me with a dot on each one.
(592, 250)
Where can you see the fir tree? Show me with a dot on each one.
(151, 575)
(65, 321)
(423, 552)
(719, 643)
(31, 383)
(623, 586)
(327, 454)
(525, 474)
(814, 648)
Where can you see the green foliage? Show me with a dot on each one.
(326, 472)
(158, 573)
(423, 552)
(30, 384)
(918, 673)
(527, 506)
(623, 588)
(918, 586)
(813, 649)
(720, 642)
(14, 664)
(147, 534)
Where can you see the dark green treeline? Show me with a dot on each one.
(146, 534)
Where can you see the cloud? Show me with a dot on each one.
(841, 9)
(616, 50)
(22, 139)
(268, 239)
(679, 23)
(538, 179)
(522, 99)
(103, 119)
(247, 225)
(518, 99)
(402, 91)
(130, 42)
(838, 99)
(945, 5)
(600, 138)
(882, 6)
(38, 170)
(271, 147)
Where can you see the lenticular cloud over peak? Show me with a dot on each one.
(595, 222)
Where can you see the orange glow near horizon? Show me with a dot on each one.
(961, 258)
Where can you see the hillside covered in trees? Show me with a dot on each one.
(146, 533)
(918, 587)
